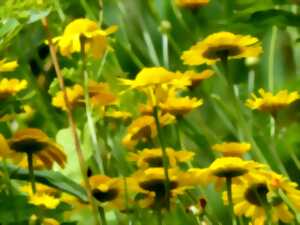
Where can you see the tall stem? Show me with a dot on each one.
(102, 215)
(164, 154)
(271, 59)
(72, 123)
(31, 171)
(229, 197)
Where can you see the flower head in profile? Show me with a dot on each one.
(10, 87)
(222, 45)
(271, 103)
(95, 39)
(191, 3)
(143, 128)
(151, 183)
(233, 149)
(34, 141)
(252, 195)
(196, 77)
(7, 66)
(108, 191)
(153, 157)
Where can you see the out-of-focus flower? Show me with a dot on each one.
(222, 45)
(10, 87)
(154, 157)
(36, 142)
(191, 3)
(7, 66)
(144, 127)
(271, 103)
(196, 77)
(234, 149)
(4, 147)
(100, 94)
(26, 113)
(108, 191)
(95, 39)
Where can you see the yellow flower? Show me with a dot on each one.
(50, 221)
(234, 149)
(222, 45)
(7, 66)
(156, 76)
(100, 94)
(271, 103)
(4, 147)
(36, 142)
(144, 127)
(95, 39)
(74, 94)
(108, 191)
(152, 184)
(179, 105)
(10, 87)
(118, 115)
(45, 196)
(250, 198)
(153, 157)
(196, 77)
(191, 3)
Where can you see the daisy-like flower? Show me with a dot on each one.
(191, 3)
(75, 94)
(233, 149)
(251, 198)
(7, 66)
(36, 142)
(156, 76)
(196, 77)
(222, 45)
(179, 106)
(95, 39)
(44, 196)
(154, 158)
(108, 191)
(152, 184)
(144, 127)
(100, 94)
(10, 87)
(271, 103)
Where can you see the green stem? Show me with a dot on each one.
(102, 215)
(31, 171)
(90, 120)
(159, 217)
(165, 48)
(164, 154)
(271, 58)
(229, 197)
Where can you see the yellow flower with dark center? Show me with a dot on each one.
(44, 196)
(196, 77)
(152, 184)
(143, 128)
(75, 94)
(234, 149)
(156, 76)
(7, 66)
(10, 87)
(95, 39)
(251, 197)
(179, 106)
(191, 3)
(154, 158)
(271, 103)
(222, 45)
(229, 167)
(35, 141)
(108, 191)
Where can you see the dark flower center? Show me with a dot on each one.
(221, 51)
(28, 145)
(142, 133)
(154, 161)
(257, 194)
(157, 186)
(231, 172)
(109, 195)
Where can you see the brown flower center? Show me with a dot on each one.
(154, 161)
(109, 195)
(157, 186)
(230, 172)
(257, 194)
(221, 51)
(30, 145)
